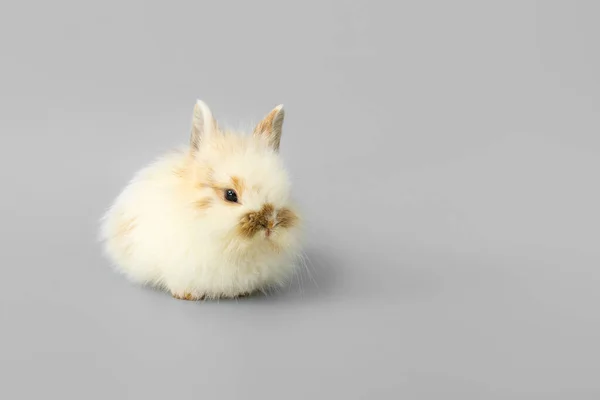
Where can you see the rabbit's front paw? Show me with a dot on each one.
(187, 296)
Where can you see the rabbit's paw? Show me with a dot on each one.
(187, 296)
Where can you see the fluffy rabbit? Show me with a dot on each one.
(213, 220)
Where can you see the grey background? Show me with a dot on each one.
(445, 155)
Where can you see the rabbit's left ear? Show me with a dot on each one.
(203, 124)
(270, 127)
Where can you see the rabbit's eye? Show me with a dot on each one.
(231, 195)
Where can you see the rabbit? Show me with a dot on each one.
(213, 219)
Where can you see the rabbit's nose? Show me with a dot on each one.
(268, 224)
(269, 227)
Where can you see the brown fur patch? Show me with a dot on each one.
(267, 210)
(218, 191)
(238, 185)
(286, 218)
(203, 204)
(250, 224)
(253, 222)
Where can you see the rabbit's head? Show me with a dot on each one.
(239, 188)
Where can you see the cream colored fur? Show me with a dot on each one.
(170, 228)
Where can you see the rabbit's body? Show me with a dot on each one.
(175, 226)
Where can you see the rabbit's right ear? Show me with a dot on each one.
(203, 124)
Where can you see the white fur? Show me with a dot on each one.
(155, 233)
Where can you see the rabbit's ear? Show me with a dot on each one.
(203, 124)
(271, 126)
